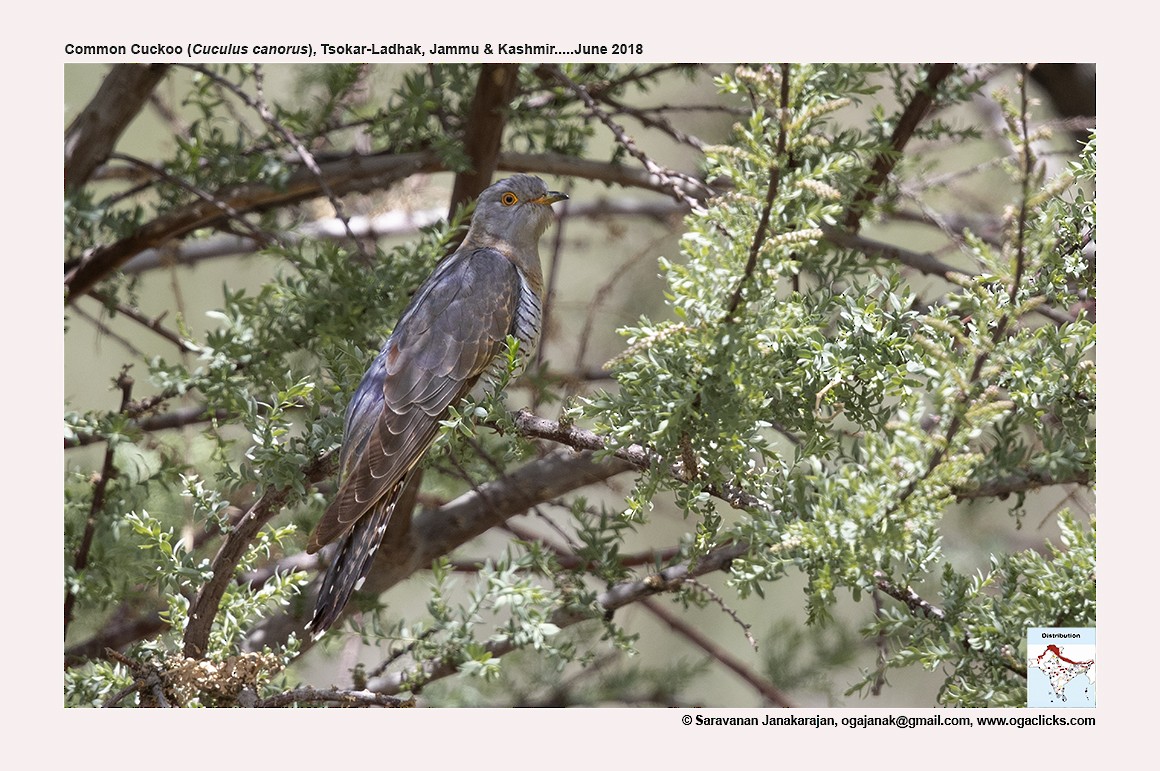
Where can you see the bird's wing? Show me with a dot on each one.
(455, 325)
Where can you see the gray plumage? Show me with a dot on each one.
(450, 334)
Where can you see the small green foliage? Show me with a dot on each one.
(856, 417)
(95, 684)
(981, 638)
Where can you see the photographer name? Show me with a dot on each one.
(766, 720)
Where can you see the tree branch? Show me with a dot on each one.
(176, 419)
(121, 630)
(907, 597)
(1021, 482)
(767, 689)
(437, 533)
(484, 132)
(347, 175)
(352, 173)
(205, 606)
(391, 224)
(639, 456)
(97, 505)
(618, 596)
(338, 697)
(94, 132)
(886, 160)
(154, 325)
(674, 182)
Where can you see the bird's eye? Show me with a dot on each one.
(509, 199)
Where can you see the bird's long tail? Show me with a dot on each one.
(351, 562)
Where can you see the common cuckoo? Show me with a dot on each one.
(453, 332)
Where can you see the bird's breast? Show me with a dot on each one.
(526, 326)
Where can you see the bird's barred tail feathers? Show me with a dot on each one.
(351, 562)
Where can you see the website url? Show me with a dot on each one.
(909, 721)
(1023, 722)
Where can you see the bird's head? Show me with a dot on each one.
(514, 212)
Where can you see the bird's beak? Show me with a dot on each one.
(550, 197)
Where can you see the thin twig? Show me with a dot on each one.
(647, 119)
(770, 195)
(103, 330)
(888, 158)
(553, 277)
(767, 689)
(602, 292)
(179, 418)
(153, 325)
(1025, 174)
(671, 179)
(401, 652)
(232, 214)
(908, 597)
(97, 505)
(259, 105)
(881, 643)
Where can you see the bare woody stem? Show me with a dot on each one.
(702, 641)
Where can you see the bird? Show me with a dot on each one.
(453, 332)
